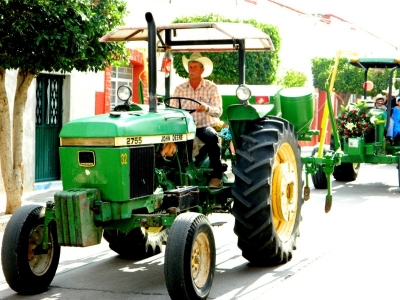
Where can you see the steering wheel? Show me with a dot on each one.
(168, 100)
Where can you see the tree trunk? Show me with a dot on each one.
(11, 139)
(343, 99)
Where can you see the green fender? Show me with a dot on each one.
(239, 115)
(236, 112)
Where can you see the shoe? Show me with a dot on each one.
(215, 183)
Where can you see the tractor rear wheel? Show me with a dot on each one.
(190, 257)
(27, 268)
(398, 171)
(267, 191)
(139, 243)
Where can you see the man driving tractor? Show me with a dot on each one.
(206, 114)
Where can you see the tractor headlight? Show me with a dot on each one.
(243, 93)
(124, 92)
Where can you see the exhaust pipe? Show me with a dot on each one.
(152, 64)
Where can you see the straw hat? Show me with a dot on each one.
(379, 96)
(205, 61)
(394, 91)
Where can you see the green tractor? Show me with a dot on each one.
(359, 134)
(118, 185)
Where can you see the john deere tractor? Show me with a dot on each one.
(359, 132)
(129, 177)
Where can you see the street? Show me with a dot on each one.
(349, 253)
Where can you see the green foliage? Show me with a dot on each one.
(349, 78)
(59, 35)
(261, 67)
(293, 79)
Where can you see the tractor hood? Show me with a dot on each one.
(129, 128)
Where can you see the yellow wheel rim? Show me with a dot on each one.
(201, 258)
(284, 191)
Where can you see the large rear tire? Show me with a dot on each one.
(190, 257)
(267, 192)
(28, 269)
(139, 243)
(398, 171)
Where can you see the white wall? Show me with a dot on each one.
(79, 94)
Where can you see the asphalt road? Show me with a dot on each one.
(349, 253)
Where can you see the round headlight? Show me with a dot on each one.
(124, 92)
(243, 93)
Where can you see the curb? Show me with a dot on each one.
(48, 185)
(3, 222)
(43, 192)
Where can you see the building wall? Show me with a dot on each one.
(79, 91)
(79, 94)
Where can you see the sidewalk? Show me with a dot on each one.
(43, 192)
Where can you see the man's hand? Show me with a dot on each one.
(203, 108)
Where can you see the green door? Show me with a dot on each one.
(48, 126)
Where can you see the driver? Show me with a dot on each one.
(206, 114)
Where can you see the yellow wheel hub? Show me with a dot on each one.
(201, 260)
(284, 191)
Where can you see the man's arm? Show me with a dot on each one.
(215, 107)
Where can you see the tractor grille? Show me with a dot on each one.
(141, 171)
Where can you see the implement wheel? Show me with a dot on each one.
(267, 192)
(27, 268)
(190, 257)
(346, 171)
(319, 178)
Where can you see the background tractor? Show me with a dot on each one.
(129, 176)
(358, 133)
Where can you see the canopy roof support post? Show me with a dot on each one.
(242, 62)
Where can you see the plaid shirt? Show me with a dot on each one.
(206, 93)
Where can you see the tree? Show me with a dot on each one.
(293, 79)
(261, 67)
(349, 79)
(47, 35)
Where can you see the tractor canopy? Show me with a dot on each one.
(192, 37)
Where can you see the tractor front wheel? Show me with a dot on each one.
(28, 268)
(190, 257)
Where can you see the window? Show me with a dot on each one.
(119, 76)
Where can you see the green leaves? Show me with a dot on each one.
(348, 78)
(261, 67)
(293, 79)
(59, 35)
